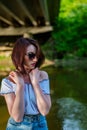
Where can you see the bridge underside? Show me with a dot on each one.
(27, 17)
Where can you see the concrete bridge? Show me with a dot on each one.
(27, 17)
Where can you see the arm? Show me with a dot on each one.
(43, 100)
(15, 102)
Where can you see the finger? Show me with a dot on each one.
(11, 78)
(11, 74)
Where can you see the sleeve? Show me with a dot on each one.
(45, 86)
(6, 87)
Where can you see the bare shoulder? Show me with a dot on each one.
(43, 75)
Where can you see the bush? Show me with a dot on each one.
(70, 30)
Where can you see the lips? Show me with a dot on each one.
(33, 64)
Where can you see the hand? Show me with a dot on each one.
(34, 76)
(16, 77)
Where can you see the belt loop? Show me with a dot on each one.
(39, 117)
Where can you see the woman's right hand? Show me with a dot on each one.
(16, 77)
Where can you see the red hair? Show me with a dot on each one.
(19, 51)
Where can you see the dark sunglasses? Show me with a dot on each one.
(31, 55)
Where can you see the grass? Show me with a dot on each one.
(5, 64)
(5, 61)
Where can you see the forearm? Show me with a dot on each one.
(18, 105)
(43, 102)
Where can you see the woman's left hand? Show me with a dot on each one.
(34, 76)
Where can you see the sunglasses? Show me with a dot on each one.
(31, 55)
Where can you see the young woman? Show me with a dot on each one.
(26, 90)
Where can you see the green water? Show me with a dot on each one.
(69, 100)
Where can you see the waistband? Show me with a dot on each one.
(29, 115)
(32, 118)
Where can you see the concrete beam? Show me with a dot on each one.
(26, 11)
(11, 14)
(44, 7)
(11, 31)
(6, 21)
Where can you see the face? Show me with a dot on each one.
(30, 58)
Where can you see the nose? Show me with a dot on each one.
(35, 59)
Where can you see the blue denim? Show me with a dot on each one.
(33, 122)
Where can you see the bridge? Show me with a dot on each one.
(27, 17)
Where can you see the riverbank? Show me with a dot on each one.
(71, 63)
(6, 63)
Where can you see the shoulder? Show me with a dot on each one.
(6, 81)
(43, 75)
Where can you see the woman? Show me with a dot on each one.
(26, 90)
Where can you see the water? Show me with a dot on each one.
(69, 100)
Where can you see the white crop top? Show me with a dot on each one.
(30, 101)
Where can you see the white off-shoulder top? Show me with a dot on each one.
(29, 96)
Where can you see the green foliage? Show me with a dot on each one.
(70, 30)
(47, 52)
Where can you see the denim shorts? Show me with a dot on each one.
(30, 122)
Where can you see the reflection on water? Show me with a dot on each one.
(69, 99)
(72, 113)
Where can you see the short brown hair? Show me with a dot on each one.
(19, 51)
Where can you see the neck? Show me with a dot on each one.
(27, 70)
(26, 78)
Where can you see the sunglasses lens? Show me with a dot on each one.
(31, 56)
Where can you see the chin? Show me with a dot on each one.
(33, 67)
